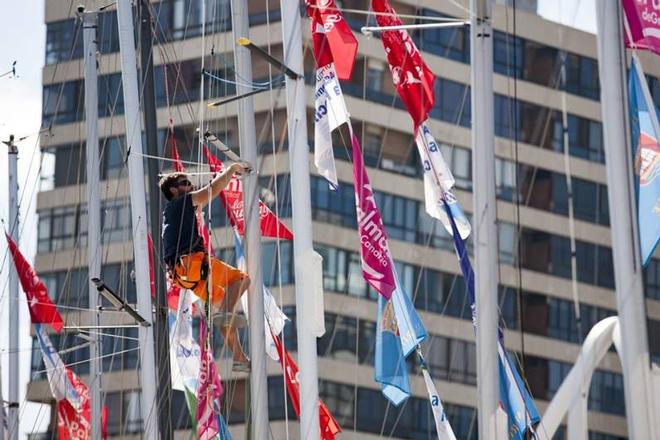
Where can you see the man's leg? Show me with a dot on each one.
(232, 295)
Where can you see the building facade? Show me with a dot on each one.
(533, 242)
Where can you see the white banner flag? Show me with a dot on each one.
(58, 379)
(184, 350)
(442, 426)
(274, 317)
(438, 183)
(330, 113)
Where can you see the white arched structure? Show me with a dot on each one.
(573, 394)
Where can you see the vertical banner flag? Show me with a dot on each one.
(375, 255)
(645, 142)
(42, 310)
(177, 165)
(409, 325)
(414, 83)
(514, 397)
(232, 199)
(644, 24)
(333, 38)
(329, 426)
(438, 183)
(389, 363)
(330, 110)
(209, 390)
(68, 390)
(329, 113)
(412, 77)
(184, 350)
(274, 317)
(442, 426)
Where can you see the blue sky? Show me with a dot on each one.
(23, 40)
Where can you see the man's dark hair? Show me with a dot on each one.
(168, 181)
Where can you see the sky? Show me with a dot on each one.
(23, 36)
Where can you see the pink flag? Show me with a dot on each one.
(374, 251)
(644, 23)
(232, 198)
(209, 389)
(42, 310)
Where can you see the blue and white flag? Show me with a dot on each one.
(645, 137)
(274, 317)
(514, 397)
(411, 329)
(390, 364)
(329, 113)
(438, 183)
(56, 370)
(442, 426)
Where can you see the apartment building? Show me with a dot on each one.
(531, 190)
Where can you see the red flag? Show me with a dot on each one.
(333, 38)
(412, 77)
(74, 423)
(209, 389)
(329, 426)
(177, 164)
(232, 199)
(42, 309)
(152, 280)
(104, 422)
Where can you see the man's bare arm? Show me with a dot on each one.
(204, 195)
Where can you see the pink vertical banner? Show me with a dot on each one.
(374, 251)
(644, 23)
(209, 389)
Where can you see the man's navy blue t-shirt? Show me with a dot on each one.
(180, 235)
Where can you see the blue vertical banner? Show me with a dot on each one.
(647, 162)
(411, 329)
(514, 397)
(390, 363)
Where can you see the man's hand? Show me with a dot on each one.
(204, 195)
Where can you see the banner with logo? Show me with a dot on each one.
(643, 18)
(377, 267)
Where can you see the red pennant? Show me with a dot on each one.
(177, 164)
(412, 77)
(42, 310)
(333, 39)
(232, 199)
(152, 280)
(104, 422)
(72, 423)
(329, 426)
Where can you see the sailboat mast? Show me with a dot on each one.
(623, 220)
(149, 402)
(302, 219)
(164, 391)
(13, 294)
(484, 209)
(90, 24)
(248, 145)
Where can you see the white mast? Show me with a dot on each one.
(484, 226)
(13, 294)
(90, 24)
(248, 144)
(302, 219)
(623, 221)
(138, 216)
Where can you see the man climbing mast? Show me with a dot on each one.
(187, 259)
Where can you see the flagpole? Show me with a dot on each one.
(90, 25)
(302, 220)
(139, 217)
(484, 203)
(13, 294)
(623, 222)
(248, 146)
